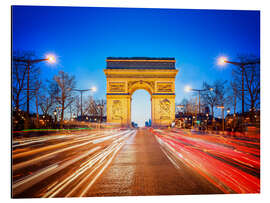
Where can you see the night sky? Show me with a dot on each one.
(82, 38)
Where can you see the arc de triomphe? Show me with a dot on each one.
(126, 75)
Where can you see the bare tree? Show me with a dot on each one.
(19, 72)
(92, 107)
(101, 106)
(20, 77)
(77, 104)
(95, 107)
(62, 86)
(189, 105)
(251, 74)
(46, 100)
(36, 93)
(215, 94)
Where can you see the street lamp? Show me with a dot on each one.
(187, 88)
(55, 118)
(51, 58)
(193, 117)
(228, 112)
(223, 60)
(93, 89)
(207, 121)
(29, 62)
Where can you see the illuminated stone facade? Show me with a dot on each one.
(126, 75)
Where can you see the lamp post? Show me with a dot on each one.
(56, 113)
(193, 117)
(228, 111)
(55, 118)
(223, 61)
(29, 63)
(82, 91)
(207, 121)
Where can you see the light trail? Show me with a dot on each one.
(85, 156)
(29, 181)
(225, 163)
(70, 165)
(100, 157)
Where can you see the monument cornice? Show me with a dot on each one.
(141, 73)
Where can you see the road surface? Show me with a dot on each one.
(128, 162)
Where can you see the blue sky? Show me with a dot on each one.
(83, 37)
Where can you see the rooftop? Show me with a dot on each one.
(140, 58)
(140, 63)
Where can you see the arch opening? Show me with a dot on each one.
(141, 107)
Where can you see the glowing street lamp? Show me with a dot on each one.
(93, 89)
(30, 62)
(187, 88)
(51, 58)
(223, 60)
(55, 113)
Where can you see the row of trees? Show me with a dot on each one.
(229, 93)
(48, 97)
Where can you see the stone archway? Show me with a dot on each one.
(126, 75)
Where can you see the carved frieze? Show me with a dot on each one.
(117, 110)
(164, 86)
(151, 83)
(131, 83)
(116, 87)
(165, 110)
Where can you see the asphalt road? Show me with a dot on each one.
(128, 162)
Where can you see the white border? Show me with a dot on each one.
(194, 4)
